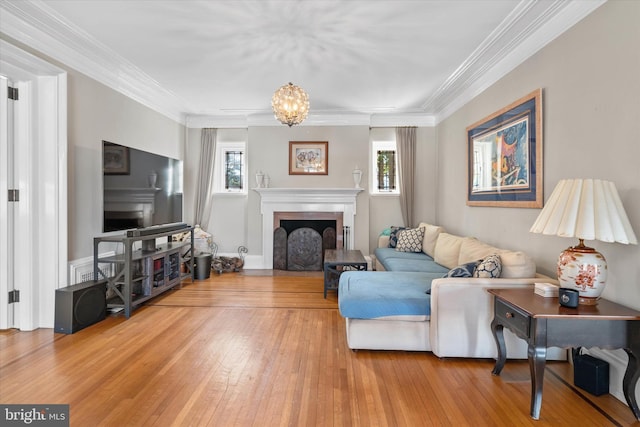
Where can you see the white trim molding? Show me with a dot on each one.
(41, 214)
(530, 26)
(274, 200)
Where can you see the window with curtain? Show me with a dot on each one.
(230, 174)
(384, 167)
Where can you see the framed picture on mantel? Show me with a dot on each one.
(505, 156)
(308, 158)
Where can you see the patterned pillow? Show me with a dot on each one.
(410, 240)
(490, 267)
(393, 235)
(464, 270)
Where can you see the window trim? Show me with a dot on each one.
(219, 168)
(382, 145)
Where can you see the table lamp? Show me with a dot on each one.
(588, 209)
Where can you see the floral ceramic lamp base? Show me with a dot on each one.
(584, 269)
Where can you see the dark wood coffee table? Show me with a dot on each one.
(337, 261)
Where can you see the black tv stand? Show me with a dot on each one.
(147, 272)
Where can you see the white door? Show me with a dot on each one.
(33, 160)
(6, 207)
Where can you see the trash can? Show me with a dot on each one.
(203, 266)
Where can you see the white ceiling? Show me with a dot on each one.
(218, 62)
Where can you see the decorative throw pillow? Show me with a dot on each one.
(393, 235)
(410, 240)
(490, 267)
(464, 270)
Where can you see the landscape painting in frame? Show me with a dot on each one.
(505, 156)
(308, 158)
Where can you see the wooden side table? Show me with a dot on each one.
(335, 261)
(542, 322)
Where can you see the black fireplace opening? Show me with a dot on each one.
(316, 224)
(299, 244)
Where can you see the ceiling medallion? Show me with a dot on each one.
(290, 104)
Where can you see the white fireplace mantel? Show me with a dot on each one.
(304, 200)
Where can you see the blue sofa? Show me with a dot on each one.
(407, 304)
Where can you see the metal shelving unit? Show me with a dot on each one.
(143, 274)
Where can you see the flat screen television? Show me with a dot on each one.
(140, 189)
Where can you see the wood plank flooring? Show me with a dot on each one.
(262, 349)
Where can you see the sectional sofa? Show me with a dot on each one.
(409, 304)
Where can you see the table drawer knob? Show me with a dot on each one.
(509, 315)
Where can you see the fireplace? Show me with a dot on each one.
(278, 204)
(300, 239)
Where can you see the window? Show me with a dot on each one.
(230, 168)
(385, 166)
(233, 170)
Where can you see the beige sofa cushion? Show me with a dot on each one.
(517, 265)
(430, 238)
(473, 249)
(447, 250)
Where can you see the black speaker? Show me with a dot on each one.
(591, 374)
(79, 306)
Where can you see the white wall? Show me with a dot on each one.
(98, 113)
(229, 221)
(236, 220)
(589, 77)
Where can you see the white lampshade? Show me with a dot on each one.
(588, 209)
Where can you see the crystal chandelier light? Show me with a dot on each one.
(290, 104)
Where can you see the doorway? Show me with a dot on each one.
(33, 165)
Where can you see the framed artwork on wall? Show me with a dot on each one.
(115, 159)
(308, 158)
(505, 156)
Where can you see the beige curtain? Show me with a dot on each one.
(204, 185)
(406, 146)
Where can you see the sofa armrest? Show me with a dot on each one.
(461, 315)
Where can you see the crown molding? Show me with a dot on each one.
(19, 64)
(314, 119)
(218, 122)
(38, 26)
(528, 30)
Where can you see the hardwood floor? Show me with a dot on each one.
(257, 348)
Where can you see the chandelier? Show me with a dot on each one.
(290, 104)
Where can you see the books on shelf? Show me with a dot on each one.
(546, 289)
